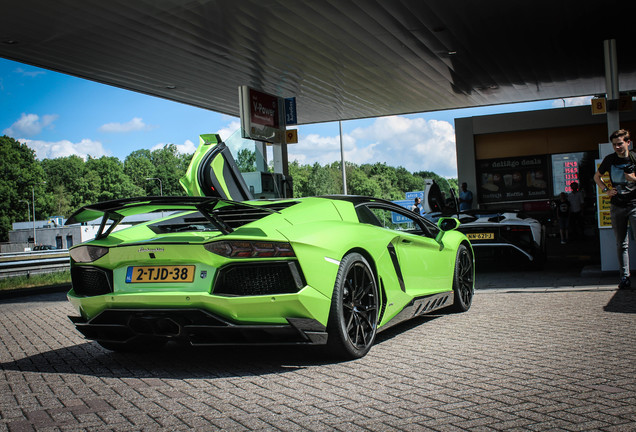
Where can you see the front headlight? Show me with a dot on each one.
(85, 254)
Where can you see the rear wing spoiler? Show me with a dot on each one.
(117, 210)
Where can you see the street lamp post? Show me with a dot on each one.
(28, 209)
(160, 188)
(33, 197)
(160, 184)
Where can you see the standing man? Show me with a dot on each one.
(465, 198)
(622, 193)
(416, 205)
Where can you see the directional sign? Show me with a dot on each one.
(412, 195)
(397, 218)
(599, 106)
(290, 111)
(292, 136)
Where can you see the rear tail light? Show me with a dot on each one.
(85, 254)
(250, 249)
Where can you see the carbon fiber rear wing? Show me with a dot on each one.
(116, 210)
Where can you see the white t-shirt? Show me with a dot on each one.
(576, 201)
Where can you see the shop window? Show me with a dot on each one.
(568, 168)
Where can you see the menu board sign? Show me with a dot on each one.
(521, 178)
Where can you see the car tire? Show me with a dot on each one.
(540, 254)
(353, 317)
(463, 280)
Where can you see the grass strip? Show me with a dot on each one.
(35, 281)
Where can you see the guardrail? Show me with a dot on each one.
(33, 262)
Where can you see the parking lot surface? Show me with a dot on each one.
(528, 356)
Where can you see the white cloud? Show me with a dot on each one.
(231, 128)
(30, 74)
(64, 148)
(314, 148)
(570, 102)
(30, 125)
(188, 147)
(415, 144)
(136, 124)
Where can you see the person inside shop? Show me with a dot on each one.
(563, 216)
(465, 198)
(621, 189)
(577, 201)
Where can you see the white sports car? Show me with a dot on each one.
(507, 233)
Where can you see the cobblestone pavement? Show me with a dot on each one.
(538, 360)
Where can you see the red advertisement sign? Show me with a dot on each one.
(263, 109)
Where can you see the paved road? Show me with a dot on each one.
(538, 359)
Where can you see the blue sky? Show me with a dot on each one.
(58, 115)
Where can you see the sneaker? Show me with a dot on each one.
(625, 283)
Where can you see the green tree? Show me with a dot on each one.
(246, 160)
(170, 166)
(300, 178)
(106, 176)
(138, 167)
(407, 182)
(358, 183)
(61, 204)
(22, 179)
(66, 183)
(323, 181)
(72, 182)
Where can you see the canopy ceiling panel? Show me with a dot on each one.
(341, 59)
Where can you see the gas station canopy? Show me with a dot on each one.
(341, 59)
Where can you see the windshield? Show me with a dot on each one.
(227, 215)
(250, 156)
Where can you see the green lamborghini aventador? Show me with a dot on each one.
(224, 269)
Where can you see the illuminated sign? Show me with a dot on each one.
(565, 171)
(263, 109)
(571, 174)
(262, 116)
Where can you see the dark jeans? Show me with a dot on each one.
(620, 217)
(576, 224)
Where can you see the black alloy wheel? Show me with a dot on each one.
(463, 280)
(354, 309)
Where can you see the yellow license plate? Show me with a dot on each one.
(146, 274)
(480, 236)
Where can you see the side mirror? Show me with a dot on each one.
(445, 224)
